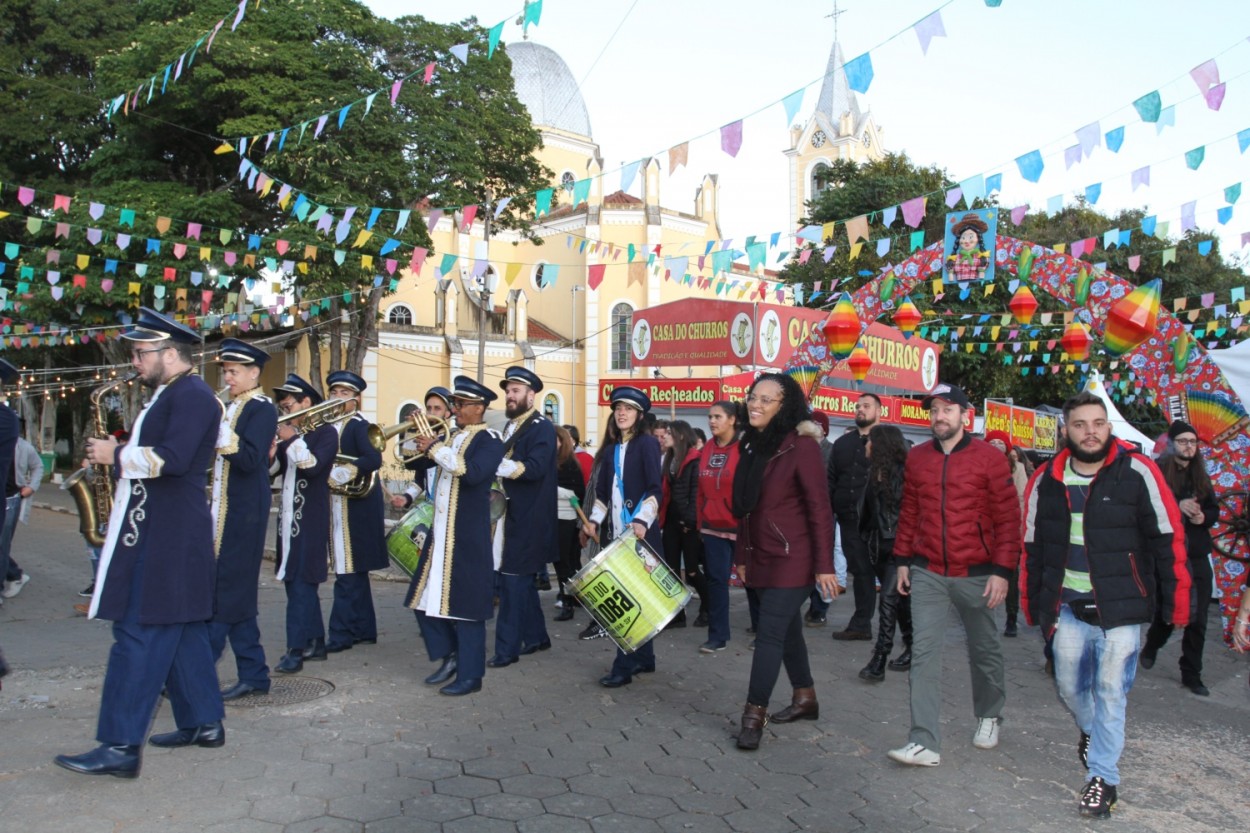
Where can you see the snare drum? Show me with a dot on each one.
(411, 537)
(630, 591)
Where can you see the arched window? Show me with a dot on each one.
(551, 408)
(566, 181)
(820, 179)
(400, 314)
(536, 279)
(622, 322)
(405, 411)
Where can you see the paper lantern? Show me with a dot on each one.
(1180, 352)
(860, 363)
(1023, 305)
(907, 317)
(1132, 319)
(1076, 342)
(842, 328)
(1081, 293)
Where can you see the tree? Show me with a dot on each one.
(865, 189)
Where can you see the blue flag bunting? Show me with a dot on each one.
(859, 73)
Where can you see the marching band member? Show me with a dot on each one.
(303, 462)
(156, 567)
(437, 406)
(357, 525)
(240, 509)
(526, 538)
(627, 493)
(454, 586)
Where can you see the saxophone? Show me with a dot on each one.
(92, 486)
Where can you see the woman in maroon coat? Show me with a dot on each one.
(785, 542)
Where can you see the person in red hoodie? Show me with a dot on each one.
(718, 527)
(958, 543)
(682, 545)
(784, 546)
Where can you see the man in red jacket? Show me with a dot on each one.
(958, 543)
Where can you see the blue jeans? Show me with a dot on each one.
(718, 555)
(1094, 670)
(9, 571)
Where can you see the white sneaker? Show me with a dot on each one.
(913, 754)
(986, 736)
(12, 588)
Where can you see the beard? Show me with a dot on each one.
(862, 421)
(943, 432)
(153, 378)
(1096, 456)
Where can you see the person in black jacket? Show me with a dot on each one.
(848, 473)
(570, 485)
(1186, 475)
(1100, 524)
(682, 544)
(878, 522)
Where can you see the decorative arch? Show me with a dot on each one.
(1150, 364)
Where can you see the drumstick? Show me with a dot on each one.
(577, 507)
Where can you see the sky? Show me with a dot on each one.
(1004, 81)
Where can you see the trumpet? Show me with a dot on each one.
(363, 484)
(422, 426)
(328, 412)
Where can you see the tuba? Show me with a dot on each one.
(91, 487)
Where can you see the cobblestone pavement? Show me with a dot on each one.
(544, 748)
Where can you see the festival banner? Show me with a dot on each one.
(839, 403)
(679, 393)
(1028, 428)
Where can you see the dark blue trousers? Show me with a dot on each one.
(249, 655)
(303, 614)
(142, 659)
(466, 639)
(627, 665)
(520, 621)
(718, 555)
(352, 617)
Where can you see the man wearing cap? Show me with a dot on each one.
(357, 525)
(241, 499)
(156, 567)
(525, 538)
(1100, 529)
(437, 406)
(958, 543)
(454, 586)
(1185, 472)
(303, 461)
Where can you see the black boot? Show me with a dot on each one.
(209, 736)
(903, 661)
(754, 719)
(874, 671)
(445, 671)
(120, 761)
(291, 663)
(316, 649)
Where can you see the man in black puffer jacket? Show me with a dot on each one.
(1100, 523)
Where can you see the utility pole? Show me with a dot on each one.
(485, 299)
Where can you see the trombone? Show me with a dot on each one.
(326, 413)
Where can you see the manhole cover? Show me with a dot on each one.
(284, 691)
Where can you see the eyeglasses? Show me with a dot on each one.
(761, 400)
(138, 354)
(1185, 442)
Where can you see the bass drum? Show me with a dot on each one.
(410, 539)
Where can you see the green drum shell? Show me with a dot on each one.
(401, 541)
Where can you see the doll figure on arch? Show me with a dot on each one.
(970, 241)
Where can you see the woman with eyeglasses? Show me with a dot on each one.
(785, 544)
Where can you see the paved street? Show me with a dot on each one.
(544, 748)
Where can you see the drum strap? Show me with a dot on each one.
(511, 441)
(618, 464)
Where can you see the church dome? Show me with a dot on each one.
(548, 89)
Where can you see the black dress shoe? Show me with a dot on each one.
(564, 615)
(292, 662)
(445, 671)
(902, 662)
(335, 647)
(462, 687)
(500, 662)
(700, 621)
(241, 689)
(210, 736)
(366, 641)
(1198, 688)
(315, 651)
(545, 645)
(119, 761)
(615, 680)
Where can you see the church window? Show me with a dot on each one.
(551, 408)
(622, 320)
(820, 178)
(400, 314)
(566, 180)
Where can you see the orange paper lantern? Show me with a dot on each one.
(1023, 305)
(1076, 342)
(860, 363)
(842, 328)
(907, 317)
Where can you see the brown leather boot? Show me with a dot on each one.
(754, 719)
(802, 707)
